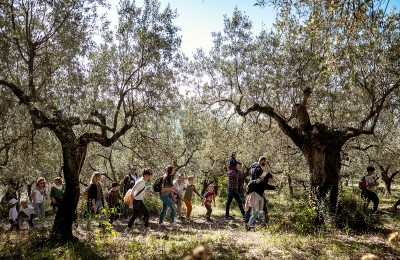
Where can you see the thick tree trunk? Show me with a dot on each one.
(324, 164)
(73, 158)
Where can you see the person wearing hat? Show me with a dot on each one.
(13, 214)
(114, 199)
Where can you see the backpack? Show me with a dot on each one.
(127, 182)
(363, 183)
(157, 186)
(250, 186)
(255, 171)
(128, 197)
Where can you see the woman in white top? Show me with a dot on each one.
(139, 208)
(38, 197)
(179, 184)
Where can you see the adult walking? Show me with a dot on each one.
(139, 208)
(95, 194)
(179, 184)
(38, 196)
(255, 200)
(256, 170)
(234, 176)
(167, 196)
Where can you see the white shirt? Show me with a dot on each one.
(28, 210)
(178, 186)
(133, 178)
(139, 185)
(370, 180)
(13, 213)
(38, 195)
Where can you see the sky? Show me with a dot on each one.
(199, 18)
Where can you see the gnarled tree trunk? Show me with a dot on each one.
(324, 165)
(73, 158)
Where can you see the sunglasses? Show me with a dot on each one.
(41, 182)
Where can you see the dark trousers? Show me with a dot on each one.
(371, 196)
(139, 208)
(14, 225)
(125, 210)
(234, 194)
(209, 210)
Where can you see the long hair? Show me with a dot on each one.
(94, 175)
(168, 171)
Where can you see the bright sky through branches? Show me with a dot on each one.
(199, 18)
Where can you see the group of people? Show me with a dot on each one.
(255, 201)
(173, 192)
(37, 207)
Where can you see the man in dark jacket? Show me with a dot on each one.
(256, 169)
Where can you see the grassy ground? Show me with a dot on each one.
(289, 235)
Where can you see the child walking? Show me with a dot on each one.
(113, 199)
(209, 197)
(28, 211)
(13, 214)
(187, 198)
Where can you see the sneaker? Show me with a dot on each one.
(189, 219)
(174, 224)
(228, 216)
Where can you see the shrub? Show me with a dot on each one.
(153, 204)
(350, 214)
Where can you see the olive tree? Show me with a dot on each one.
(81, 91)
(324, 73)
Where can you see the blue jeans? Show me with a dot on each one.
(234, 194)
(253, 217)
(100, 206)
(167, 202)
(40, 207)
(265, 209)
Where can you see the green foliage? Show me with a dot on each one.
(153, 205)
(351, 215)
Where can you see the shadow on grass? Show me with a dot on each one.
(35, 244)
